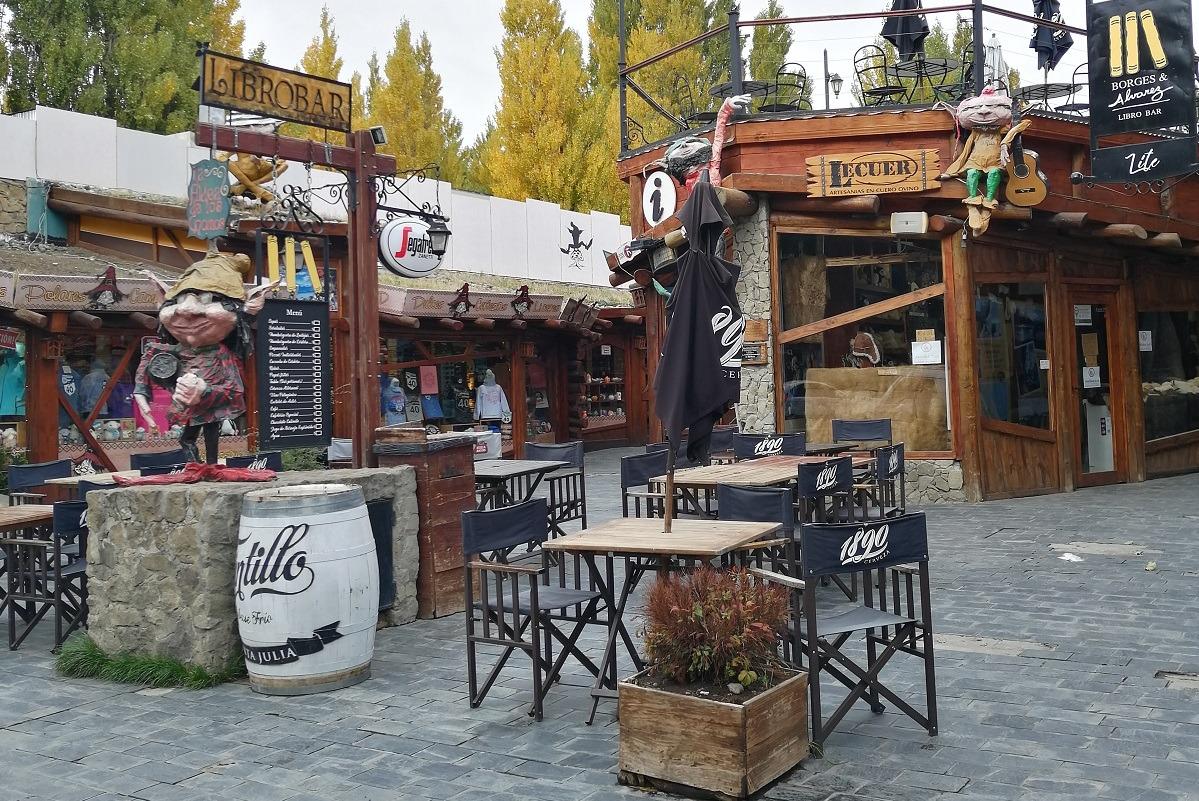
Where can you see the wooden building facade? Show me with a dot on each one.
(1059, 350)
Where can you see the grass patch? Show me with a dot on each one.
(81, 658)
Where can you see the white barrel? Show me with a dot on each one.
(307, 588)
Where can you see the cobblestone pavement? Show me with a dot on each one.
(1065, 701)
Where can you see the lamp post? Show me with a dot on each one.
(831, 79)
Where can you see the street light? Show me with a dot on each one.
(831, 79)
(439, 238)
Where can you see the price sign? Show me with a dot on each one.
(295, 400)
(208, 199)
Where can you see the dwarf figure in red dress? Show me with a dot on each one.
(204, 324)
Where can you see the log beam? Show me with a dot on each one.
(519, 325)
(31, 318)
(88, 320)
(451, 323)
(402, 320)
(1069, 219)
(146, 321)
(1006, 211)
(944, 224)
(860, 204)
(1165, 240)
(1121, 231)
(602, 323)
(736, 202)
(633, 319)
(483, 322)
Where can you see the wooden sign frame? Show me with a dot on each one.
(252, 87)
(873, 172)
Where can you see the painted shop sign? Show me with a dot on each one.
(238, 84)
(104, 292)
(492, 305)
(879, 172)
(208, 199)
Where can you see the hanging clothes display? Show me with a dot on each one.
(490, 401)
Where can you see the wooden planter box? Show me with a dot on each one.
(732, 749)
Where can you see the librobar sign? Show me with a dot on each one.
(256, 88)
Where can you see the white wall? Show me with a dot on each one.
(490, 235)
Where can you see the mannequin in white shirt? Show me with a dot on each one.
(490, 401)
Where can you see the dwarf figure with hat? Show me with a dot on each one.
(106, 294)
(204, 323)
(988, 117)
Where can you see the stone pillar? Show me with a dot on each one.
(445, 488)
(161, 562)
(751, 247)
(12, 207)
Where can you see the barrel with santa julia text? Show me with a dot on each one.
(307, 588)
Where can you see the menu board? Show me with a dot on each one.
(295, 402)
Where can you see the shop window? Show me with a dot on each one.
(1013, 386)
(1169, 349)
(604, 389)
(820, 276)
(449, 385)
(891, 365)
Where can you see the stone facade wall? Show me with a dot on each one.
(933, 481)
(12, 206)
(161, 562)
(751, 246)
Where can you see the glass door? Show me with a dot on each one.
(1096, 390)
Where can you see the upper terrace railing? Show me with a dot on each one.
(681, 111)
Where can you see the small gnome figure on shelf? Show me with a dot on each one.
(988, 117)
(204, 322)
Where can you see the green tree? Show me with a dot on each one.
(714, 52)
(405, 98)
(680, 82)
(132, 61)
(771, 44)
(258, 53)
(603, 39)
(227, 34)
(322, 58)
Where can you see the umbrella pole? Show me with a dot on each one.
(668, 503)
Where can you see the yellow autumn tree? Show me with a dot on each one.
(321, 58)
(227, 34)
(680, 82)
(405, 98)
(544, 143)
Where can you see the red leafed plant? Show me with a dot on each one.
(714, 626)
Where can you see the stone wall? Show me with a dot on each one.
(161, 562)
(12, 207)
(751, 246)
(933, 481)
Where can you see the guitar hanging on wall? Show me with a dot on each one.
(1026, 185)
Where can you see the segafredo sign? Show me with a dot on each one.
(405, 247)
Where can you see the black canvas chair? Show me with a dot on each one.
(862, 432)
(140, 461)
(513, 610)
(824, 493)
(722, 442)
(41, 577)
(883, 491)
(635, 474)
(270, 460)
(163, 469)
(761, 505)
(878, 85)
(25, 477)
(755, 446)
(895, 616)
(91, 486)
(567, 485)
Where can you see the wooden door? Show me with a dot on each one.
(1097, 387)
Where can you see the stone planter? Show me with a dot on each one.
(728, 749)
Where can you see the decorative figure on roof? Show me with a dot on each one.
(686, 158)
(522, 302)
(988, 117)
(106, 294)
(205, 328)
(250, 172)
(461, 304)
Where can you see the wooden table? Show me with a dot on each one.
(504, 482)
(95, 478)
(827, 448)
(769, 471)
(14, 518)
(644, 546)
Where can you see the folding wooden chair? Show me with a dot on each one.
(501, 612)
(897, 619)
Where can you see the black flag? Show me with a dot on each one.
(699, 374)
(908, 32)
(1051, 44)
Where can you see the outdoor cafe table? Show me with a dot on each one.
(499, 481)
(644, 545)
(18, 518)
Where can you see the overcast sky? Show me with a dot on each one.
(465, 33)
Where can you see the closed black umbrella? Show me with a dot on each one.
(908, 32)
(1050, 43)
(699, 373)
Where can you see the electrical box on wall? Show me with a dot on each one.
(909, 222)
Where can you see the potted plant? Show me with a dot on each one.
(717, 709)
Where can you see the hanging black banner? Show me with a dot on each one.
(1140, 66)
(1144, 161)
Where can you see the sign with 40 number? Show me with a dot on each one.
(208, 199)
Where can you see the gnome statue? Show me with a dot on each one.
(204, 323)
(988, 117)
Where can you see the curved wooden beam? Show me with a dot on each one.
(146, 321)
(89, 320)
(1122, 231)
(518, 324)
(483, 322)
(402, 320)
(451, 323)
(31, 317)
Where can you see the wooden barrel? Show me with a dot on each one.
(307, 588)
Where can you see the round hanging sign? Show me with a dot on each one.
(658, 198)
(405, 249)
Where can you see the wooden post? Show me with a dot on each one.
(363, 301)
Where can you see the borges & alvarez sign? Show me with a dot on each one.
(834, 174)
